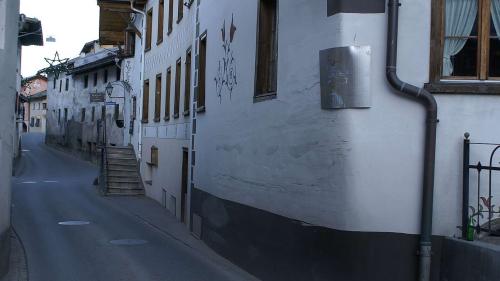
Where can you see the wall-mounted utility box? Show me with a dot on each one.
(345, 77)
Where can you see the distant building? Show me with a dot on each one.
(34, 100)
(73, 114)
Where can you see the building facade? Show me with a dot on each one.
(73, 113)
(34, 97)
(303, 161)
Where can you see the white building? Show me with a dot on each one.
(301, 154)
(72, 117)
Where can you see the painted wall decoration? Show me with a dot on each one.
(226, 78)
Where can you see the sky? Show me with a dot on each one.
(71, 22)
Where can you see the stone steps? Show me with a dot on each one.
(122, 174)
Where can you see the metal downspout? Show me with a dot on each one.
(143, 36)
(429, 102)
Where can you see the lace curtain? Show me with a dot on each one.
(460, 17)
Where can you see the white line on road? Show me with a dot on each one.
(28, 182)
(50, 181)
(25, 150)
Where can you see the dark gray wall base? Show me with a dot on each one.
(276, 248)
(470, 261)
(355, 6)
(4, 252)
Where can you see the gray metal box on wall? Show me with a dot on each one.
(345, 77)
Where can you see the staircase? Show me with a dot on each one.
(121, 172)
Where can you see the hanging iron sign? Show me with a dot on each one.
(96, 97)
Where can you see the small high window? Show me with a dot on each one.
(105, 78)
(158, 98)
(202, 73)
(187, 83)
(161, 11)
(180, 10)
(267, 52)
(167, 94)
(86, 81)
(145, 102)
(178, 72)
(170, 16)
(149, 28)
(67, 85)
(95, 79)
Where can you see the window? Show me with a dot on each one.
(170, 16)
(92, 116)
(60, 85)
(37, 122)
(201, 73)
(65, 115)
(105, 76)
(167, 94)
(149, 28)
(32, 122)
(116, 115)
(130, 43)
(187, 83)
(145, 102)
(178, 70)
(83, 115)
(59, 116)
(154, 156)
(103, 112)
(54, 84)
(67, 85)
(118, 74)
(95, 79)
(134, 108)
(161, 11)
(86, 81)
(466, 35)
(44, 106)
(158, 98)
(180, 10)
(267, 49)
(33, 106)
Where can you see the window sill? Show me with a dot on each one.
(159, 42)
(147, 50)
(176, 115)
(264, 97)
(157, 119)
(474, 88)
(144, 121)
(152, 164)
(201, 109)
(186, 112)
(166, 118)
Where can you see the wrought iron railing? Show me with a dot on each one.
(478, 215)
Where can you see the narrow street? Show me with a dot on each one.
(110, 243)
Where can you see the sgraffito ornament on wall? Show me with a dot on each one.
(226, 79)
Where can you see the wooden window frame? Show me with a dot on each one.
(85, 81)
(145, 101)
(149, 29)
(170, 16)
(260, 96)
(158, 97)
(202, 75)
(460, 85)
(161, 21)
(177, 94)
(168, 88)
(180, 10)
(187, 81)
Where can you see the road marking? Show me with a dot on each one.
(50, 181)
(25, 150)
(73, 223)
(28, 182)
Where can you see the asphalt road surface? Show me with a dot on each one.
(52, 187)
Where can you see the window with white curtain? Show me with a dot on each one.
(471, 41)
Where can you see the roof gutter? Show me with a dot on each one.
(427, 99)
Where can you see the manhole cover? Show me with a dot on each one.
(71, 223)
(128, 242)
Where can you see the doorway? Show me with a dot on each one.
(185, 159)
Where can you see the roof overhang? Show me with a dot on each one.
(30, 31)
(106, 61)
(113, 20)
